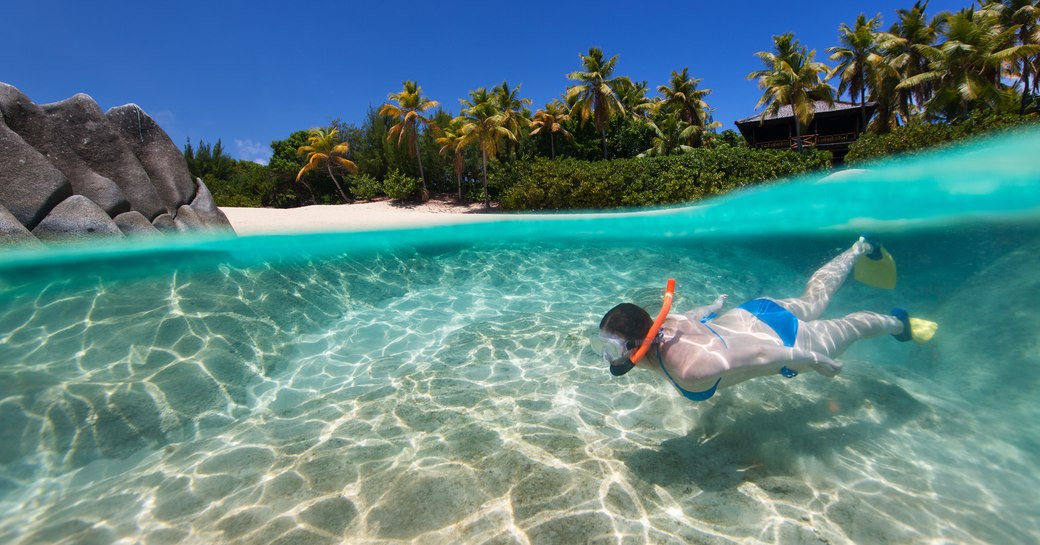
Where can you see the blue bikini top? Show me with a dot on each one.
(692, 396)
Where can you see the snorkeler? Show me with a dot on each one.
(700, 352)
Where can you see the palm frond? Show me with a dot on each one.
(347, 164)
(314, 162)
(389, 110)
(914, 81)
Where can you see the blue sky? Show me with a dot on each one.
(252, 72)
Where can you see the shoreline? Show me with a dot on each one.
(362, 216)
(386, 214)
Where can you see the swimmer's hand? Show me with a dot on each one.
(702, 312)
(824, 365)
(717, 304)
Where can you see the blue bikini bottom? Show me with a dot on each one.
(775, 316)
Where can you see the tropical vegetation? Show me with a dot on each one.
(483, 125)
(792, 78)
(408, 114)
(857, 59)
(324, 148)
(928, 77)
(918, 136)
(596, 94)
(567, 183)
(549, 121)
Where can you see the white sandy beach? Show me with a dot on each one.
(355, 217)
(384, 214)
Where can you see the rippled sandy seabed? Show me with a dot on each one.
(450, 396)
(442, 389)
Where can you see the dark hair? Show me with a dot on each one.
(628, 321)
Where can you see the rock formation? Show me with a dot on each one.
(69, 171)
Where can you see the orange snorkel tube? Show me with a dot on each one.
(669, 293)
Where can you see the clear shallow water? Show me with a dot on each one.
(437, 386)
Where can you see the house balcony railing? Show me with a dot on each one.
(839, 138)
(808, 141)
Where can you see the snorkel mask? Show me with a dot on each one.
(619, 352)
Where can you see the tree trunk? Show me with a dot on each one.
(603, 138)
(552, 144)
(863, 108)
(346, 199)
(1025, 88)
(797, 130)
(487, 198)
(310, 190)
(418, 156)
(459, 165)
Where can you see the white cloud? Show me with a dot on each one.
(164, 117)
(248, 150)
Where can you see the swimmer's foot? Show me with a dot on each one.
(868, 245)
(874, 265)
(914, 328)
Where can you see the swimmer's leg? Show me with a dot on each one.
(832, 337)
(824, 283)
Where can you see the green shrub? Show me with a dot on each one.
(920, 135)
(250, 185)
(365, 187)
(570, 183)
(226, 193)
(401, 187)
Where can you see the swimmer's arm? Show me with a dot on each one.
(700, 312)
(772, 355)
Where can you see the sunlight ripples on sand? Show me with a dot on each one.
(451, 396)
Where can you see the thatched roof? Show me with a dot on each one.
(821, 107)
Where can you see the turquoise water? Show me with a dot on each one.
(438, 385)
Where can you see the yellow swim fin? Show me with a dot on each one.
(917, 329)
(922, 330)
(876, 269)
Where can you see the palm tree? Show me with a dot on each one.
(901, 43)
(884, 74)
(450, 141)
(482, 126)
(632, 96)
(965, 69)
(596, 94)
(551, 120)
(408, 112)
(670, 135)
(324, 148)
(683, 97)
(513, 108)
(856, 57)
(791, 78)
(1024, 16)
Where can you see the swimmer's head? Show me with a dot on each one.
(627, 325)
